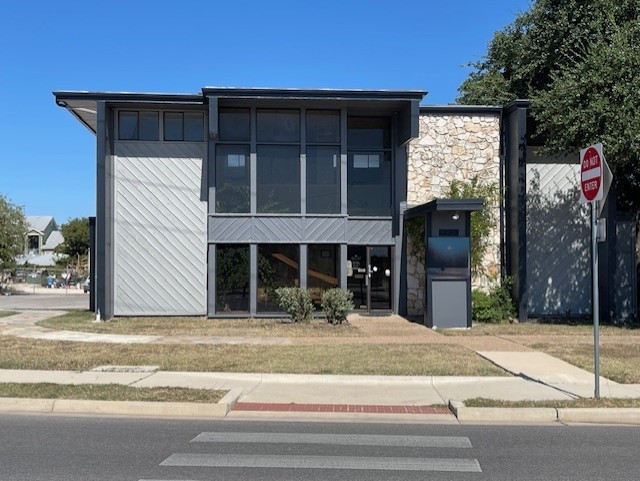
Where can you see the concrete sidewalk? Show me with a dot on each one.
(537, 376)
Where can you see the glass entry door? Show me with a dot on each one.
(369, 277)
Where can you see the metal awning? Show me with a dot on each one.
(444, 205)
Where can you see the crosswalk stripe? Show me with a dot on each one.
(321, 462)
(335, 439)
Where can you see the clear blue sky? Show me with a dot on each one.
(47, 158)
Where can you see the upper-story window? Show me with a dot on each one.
(145, 125)
(278, 161)
(323, 161)
(187, 126)
(233, 161)
(369, 166)
(234, 124)
(133, 125)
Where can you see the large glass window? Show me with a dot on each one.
(232, 278)
(323, 271)
(323, 126)
(278, 125)
(232, 178)
(368, 133)
(369, 183)
(235, 124)
(278, 179)
(278, 266)
(369, 166)
(323, 180)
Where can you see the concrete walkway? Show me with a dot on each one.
(537, 376)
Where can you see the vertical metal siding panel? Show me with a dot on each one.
(160, 229)
(557, 242)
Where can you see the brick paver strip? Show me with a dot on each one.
(339, 408)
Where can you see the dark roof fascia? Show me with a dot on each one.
(460, 109)
(516, 104)
(329, 94)
(445, 205)
(64, 95)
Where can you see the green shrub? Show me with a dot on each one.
(493, 307)
(296, 302)
(336, 304)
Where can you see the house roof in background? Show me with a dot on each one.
(55, 239)
(39, 222)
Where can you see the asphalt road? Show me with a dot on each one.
(53, 301)
(80, 448)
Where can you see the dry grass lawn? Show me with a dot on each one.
(576, 403)
(198, 326)
(370, 359)
(109, 392)
(533, 328)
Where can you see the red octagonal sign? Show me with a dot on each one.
(591, 173)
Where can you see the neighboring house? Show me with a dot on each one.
(41, 240)
(207, 202)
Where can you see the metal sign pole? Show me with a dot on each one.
(596, 298)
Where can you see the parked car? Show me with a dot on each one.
(86, 285)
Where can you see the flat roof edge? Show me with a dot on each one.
(62, 95)
(461, 109)
(351, 94)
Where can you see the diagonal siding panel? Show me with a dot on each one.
(277, 229)
(230, 229)
(369, 231)
(557, 243)
(324, 229)
(160, 229)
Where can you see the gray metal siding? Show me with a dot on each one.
(557, 242)
(160, 229)
(295, 230)
(366, 231)
(625, 271)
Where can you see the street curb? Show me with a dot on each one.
(121, 408)
(629, 416)
(503, 415)
(600, 415)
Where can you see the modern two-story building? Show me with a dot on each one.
(208, 202)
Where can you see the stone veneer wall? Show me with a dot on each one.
(451, 146)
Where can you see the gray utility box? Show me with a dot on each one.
(447, 231)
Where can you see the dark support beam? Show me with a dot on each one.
(104, 212)
(213, 118)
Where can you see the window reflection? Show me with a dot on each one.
(278, 266)
(232, 178)
(323, 272)
(232, 278)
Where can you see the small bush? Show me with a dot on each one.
(493, 307)
(336, 304)
(296, 302)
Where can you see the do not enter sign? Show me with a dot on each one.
(591, 169)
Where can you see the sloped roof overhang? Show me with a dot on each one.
(83, 104)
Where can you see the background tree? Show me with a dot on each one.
(578, 61)
(13, 229)
(76, 237)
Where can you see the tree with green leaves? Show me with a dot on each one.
(76, 237)
(578, 61)
(13, 228)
